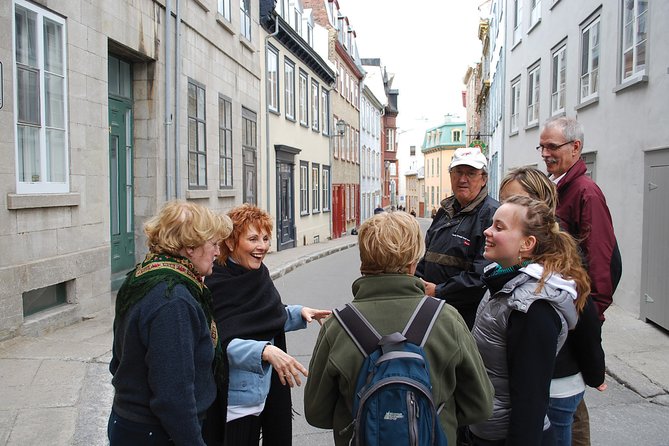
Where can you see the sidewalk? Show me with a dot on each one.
(56, 388)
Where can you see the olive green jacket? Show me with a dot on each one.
(458, 375)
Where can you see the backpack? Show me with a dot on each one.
(393, 403)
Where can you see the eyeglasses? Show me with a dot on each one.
(467, 173)
(552, 147)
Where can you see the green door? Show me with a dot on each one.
(121, 190)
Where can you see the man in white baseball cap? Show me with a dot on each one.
(453, 263)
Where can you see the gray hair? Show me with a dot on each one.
(571, 129)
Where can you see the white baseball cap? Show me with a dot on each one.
(469, 156)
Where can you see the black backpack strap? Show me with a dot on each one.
(420, 324)
(365, 337)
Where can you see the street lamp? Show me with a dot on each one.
(341, 127)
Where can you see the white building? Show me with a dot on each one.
(604, 63)
(370, 145)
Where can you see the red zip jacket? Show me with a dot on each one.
(583, 211)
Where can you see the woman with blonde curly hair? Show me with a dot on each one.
(165, 342)
(252, 322)
(387, 295)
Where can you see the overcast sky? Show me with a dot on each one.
(428, 44)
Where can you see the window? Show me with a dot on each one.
(272, 79)
(197, 136)
(304, 99)
(515, 105)
(298, 22)
(249, 151)
(304, 188)
(315, 192)
(457, 135)
(224, 9)
(40, 299)
(535, 12)
(590, 61)
(289, 86)
(314, 105)
(533, 89)
(325, 187)
(517, 20)
(634, 35)
(224, 143)
(412, 150)
(245, 18)
(325, 111)
(41, 101)
(558, 83)
(390, 140)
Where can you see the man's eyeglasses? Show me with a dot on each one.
(471, 174)
(552, 147)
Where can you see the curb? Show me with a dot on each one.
(285, 269)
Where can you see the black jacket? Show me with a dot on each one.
(454, 246)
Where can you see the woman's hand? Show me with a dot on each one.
(602, 387)
(287, 367)
(430, 288)
(309, 314)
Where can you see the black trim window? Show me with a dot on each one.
(304, 188)
(325, 187)
(314, 106)
(225, 143)
(273, 79)
(289, 86)
(304, 98)
(315, 192)
(197, 136)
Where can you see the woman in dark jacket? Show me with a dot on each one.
(164, 335)
(252, 323)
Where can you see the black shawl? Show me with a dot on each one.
(247, 305)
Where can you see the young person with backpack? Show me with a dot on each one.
(388, 296)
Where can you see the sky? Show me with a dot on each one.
(428, 44)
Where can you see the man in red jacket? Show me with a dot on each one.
(582, 210)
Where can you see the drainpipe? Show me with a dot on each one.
(267, 145)
(177, 101)
(168, 98)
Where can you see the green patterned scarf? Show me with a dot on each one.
(173, 270)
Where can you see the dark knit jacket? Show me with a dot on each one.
(454, 252)
(583, 350)
(162, 364)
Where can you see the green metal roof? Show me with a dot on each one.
(441, 136)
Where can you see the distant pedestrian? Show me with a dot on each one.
(524, 318)
(387, 295)
(413, 212)
(378, 210)
(165, 338)
(434, 212)
(582, 209)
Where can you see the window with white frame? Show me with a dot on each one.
(325, 187)
(517, 20)
(325, 111)
(515, 105)
(225, 142)
(245, 18)
(315, 191)
(456, 135)
(390, 140)
(304, 99)
(298, 22)
(535, 12)
(533, 90)
(559, 80)
(40, 40)
(304, 188)
(315, 97)
(289, 87)
(197, 136)
(590, 60)
(224, 9)
(272, 78)
(634, 35)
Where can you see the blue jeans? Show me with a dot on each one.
(561, 413)
(123, 432)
